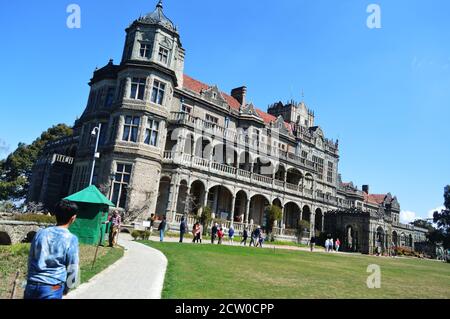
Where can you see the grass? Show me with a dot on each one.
(15, 258)
(225, 272)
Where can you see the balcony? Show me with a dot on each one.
(244, 176)
(231, 135)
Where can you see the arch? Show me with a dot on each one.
(189, 143)
(395, 238)
(162, 203)
(351, 239)
(258, 209)
(240, 206)
(277, 202)
(410, 241)
(220, 200)
(197, 196)
(280, 172)
(402, 239)
(5, 240)
(292, 213)
(309, 181)
(263, 166)
(29, 237)
(306, 213)
(318, 220)
(183, 199)
(380, 238)
(294, 176)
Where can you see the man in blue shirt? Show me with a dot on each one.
(53, 259)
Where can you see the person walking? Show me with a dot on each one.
(200, 233)
(54, 257)
(220, 235)
(312, 243)
(231, 234)
(257, 235)
(337, 244)
(214, 231)
(162, 229)
(114, 228)
(331, 245)
(244, 237)
(327, 244)
(261, 239)
(152, 223)
(183, 229)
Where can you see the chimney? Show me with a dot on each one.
(365, 189)
(240, 94)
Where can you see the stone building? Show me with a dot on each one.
(171, 145)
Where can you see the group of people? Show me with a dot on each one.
(331, 245)
(257, 237)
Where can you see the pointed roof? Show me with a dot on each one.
(158, 17)
(90, 195)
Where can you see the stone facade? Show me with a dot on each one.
(171, 145)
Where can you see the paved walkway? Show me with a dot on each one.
(139, 274)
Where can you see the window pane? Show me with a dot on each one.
(120, 168)
(154, 139)
(160, 98)
(128, 169)
(128, 120)
(123, 196)
(154, 95)
(133, 91)
(136, 120)
(126, 133)
(126, 179)
(134, 133)
(115, 196)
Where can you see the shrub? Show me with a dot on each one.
(140, 234)
(205, 218)
(43, 219)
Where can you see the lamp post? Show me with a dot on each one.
(95, 132)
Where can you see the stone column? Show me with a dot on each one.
(323, 222)
(170, 202)
(175, 200)
(188, 199)
(247, 210)
(283, 214)
(233, 203)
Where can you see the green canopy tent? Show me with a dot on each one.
(93, 206)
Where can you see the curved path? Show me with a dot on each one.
(139, 274)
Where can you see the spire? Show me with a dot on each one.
(160, 4)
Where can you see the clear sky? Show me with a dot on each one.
(384, 93)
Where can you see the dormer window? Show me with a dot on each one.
(211, 119)
(186, 109)
(214, 95)
(163, 55)
(146, 50)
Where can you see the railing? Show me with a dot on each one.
(62, 159)
(223, 169)
(232, 135)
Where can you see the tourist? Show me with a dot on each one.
(337, 244)
(327, 244)
(200, 233)
(312, 243)
(231, 234)
(253, 239)
(115, 223)
(54, 257)
(244, 237)
(194, 232)
(152, 222)
(331, 245)
(162, 228)
(220, 235)
(183, 229)
(214, 231)
(261, 239)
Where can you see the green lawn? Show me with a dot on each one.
(224, 272)
(14, 258)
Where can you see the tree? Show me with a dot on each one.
(274, 215)
(442, 218)
(423, 224)
(303, 227)
(15, 170)
(205, 218)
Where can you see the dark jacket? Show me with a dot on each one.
(183, 227)
(214, 230)
(245, 234)
(162, 226)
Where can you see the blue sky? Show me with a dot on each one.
(384, 93)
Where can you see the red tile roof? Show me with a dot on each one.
(197, 87)
(374, 198)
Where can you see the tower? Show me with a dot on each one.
(132, 102)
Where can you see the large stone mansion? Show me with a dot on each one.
(171, 145)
